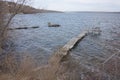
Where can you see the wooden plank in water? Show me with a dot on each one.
(73, 42)
(64, 51)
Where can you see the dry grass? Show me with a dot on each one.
(59, 67)
(63, 68)
(16, 69)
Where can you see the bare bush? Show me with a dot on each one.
(12, 8)
(9, 64)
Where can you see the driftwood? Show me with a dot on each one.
(34, 27)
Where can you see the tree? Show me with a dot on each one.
(13, 7)
(5, 20)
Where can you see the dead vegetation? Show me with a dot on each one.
(14, 69)
(59, 67)
(5, 20)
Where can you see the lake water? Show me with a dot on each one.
(43, 41)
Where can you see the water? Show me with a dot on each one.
(45, 40)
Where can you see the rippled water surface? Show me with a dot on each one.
(45, 40)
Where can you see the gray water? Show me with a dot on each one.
(45, 40)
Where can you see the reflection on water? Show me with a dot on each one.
(44, 40)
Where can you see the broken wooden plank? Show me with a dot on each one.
(62, 53)
(73, 42)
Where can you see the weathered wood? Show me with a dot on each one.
(73, 42)
(62, 53)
